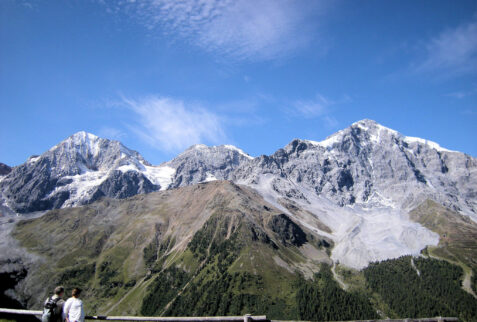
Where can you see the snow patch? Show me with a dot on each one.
(161, 175)
(81, 187)
(329, 141)
(209, 177)
(127, 167)
(431, 144)
(33, 159)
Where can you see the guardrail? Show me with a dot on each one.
(245, 318)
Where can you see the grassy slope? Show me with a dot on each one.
(239, 273)
(209, 249)
(235, 264)
(458, 236)
(116, 250)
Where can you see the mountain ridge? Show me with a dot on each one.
(362, 180)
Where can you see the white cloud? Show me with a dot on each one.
(330, 121)
(111, 133)
(313, 108)
(172, 125)
(454, 51)
(320, 107)
(243, 29)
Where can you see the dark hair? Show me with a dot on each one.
(76, 292)
(59, 290)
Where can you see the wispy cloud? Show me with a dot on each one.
(453, 51)
(463, 94)
(173, 125)
(313, 108)
(111, 133)
(245, 30)
(319, 107)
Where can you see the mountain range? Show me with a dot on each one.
(359, 182)
(324, 211)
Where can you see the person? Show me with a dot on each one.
(53, 307)
(73, 308)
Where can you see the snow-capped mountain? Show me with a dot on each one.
(357, 187)
(201, 163)
(78, 170)
(370, 165)
(362, 182)
(84, 168)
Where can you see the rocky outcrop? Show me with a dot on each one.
(288, 231)
(121, 185)
(4, 169)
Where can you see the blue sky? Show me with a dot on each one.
(162, 75)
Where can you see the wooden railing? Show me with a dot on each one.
(245, 318)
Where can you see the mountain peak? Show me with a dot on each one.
(83, 136)
(371, 125)
(365, 122)
(80, 138)
(374, 127)
(203, 147)
(375, 133)
(199, 146)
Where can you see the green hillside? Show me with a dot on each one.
(220, 249)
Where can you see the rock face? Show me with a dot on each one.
(201, 163)
(77, 171)
(289, 232)
(370, 165)
(4, 169)
(356, 187)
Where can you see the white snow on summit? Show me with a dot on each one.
(232, 147)
(431, 144)
(375, 130)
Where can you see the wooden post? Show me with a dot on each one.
(247, 318)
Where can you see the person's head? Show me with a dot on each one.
(76, 292)
(60, 291)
